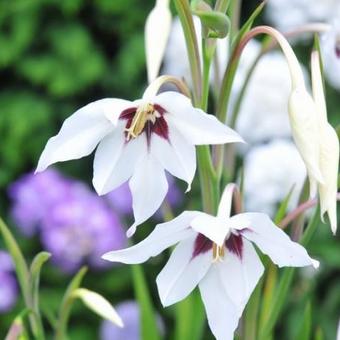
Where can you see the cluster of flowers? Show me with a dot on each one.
(136, 141)
(74, 224)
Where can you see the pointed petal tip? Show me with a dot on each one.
(315, 264)
(132, 230)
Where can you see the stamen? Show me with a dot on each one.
(218, 253)
(143, 114)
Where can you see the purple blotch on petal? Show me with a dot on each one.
(235, 244)
(202, 245)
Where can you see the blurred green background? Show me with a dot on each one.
(58, 55)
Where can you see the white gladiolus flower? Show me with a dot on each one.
(287, 15)
(216, 254)
(271, 171)
(329, 148)
(330, 46)
(157, 30)
(138, 140)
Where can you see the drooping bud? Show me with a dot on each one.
(157, 30)
(329, 148)
(304, 123)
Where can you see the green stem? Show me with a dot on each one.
(286, 281)
(185, 16)
(24, 278)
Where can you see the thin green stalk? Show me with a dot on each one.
(185, 16)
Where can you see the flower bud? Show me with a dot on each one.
(329, 147)
(157, 30)
(304, 123)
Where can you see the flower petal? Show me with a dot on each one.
(272, 240)
(241, 275)
(221, 312)
(224, 208)
(157, 30)
(148, 187)
(182, 272)
(81, 132)
(163, 236)
(115, 160)
(176, 155)
(195, 125)
(99, 305)
(329, 165)
(212, 227)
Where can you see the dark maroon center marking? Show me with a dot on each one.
(235, 245)
(159, 127)
(337, 49)
(202, 245)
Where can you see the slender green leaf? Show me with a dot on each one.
(66, 304)
(286, 280)
(19, 261)
(283, 207)
(149, 330)
(35, 270)
(305, 330)
(190, 318)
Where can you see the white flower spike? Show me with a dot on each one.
(137, 141)
(215, 254)
(329, 148)
(157, 30)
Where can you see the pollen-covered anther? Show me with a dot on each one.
(143, 114)
(218, 253)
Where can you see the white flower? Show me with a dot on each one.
(269, 88)
(138, 140)
(287, 15)
(330, 46)
(157, 29)
(329, 148)
(271, 170)
(216, 254)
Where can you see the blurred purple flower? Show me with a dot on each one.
(75, 224)
(32, 197)
(8, 286)
(129, 312)
(121, 200)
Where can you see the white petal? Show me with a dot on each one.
(163, 236)
(195, 125)
(148, 187)
(99, 305)
(115, 160)
(329, 165)
(81, 132)
(182, 272)
(221, 312)
(241, 275)
(157, 30)
(177, 155)
(305, 131)
(212, 227)
(224, 208)
(272, 241)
